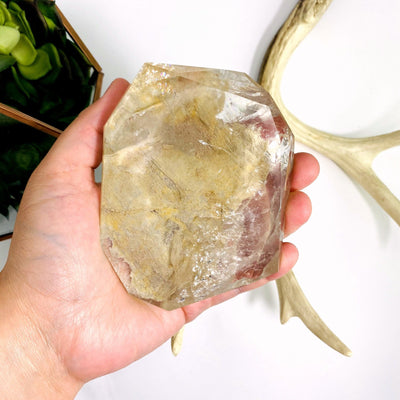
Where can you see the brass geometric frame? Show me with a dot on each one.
(40, 125)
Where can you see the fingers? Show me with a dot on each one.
(298, 211)
(289, 256)
(81, 143)
(305, 171)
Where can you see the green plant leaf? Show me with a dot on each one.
(27, 88)
(2, 17)
(38, 69)
(48, 9)
(21, 151)
(19, 17)
(9, 37)
(24, 52)
(26, 157)
(55, 61)
(15, 95)
(6, 62)
(36, 20)
(6, 13)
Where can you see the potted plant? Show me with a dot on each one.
(47, 77)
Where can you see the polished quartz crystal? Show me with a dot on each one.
(196, 171)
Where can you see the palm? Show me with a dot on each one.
(91, 315)
(91, 321)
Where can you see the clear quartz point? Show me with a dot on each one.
(196, 171)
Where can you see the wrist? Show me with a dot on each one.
(30, 367)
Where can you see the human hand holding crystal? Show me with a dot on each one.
(65, 317)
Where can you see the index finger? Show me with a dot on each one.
(305, 171)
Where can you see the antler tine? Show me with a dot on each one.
(303, 18)
(177, 341)
(294, 304)
(354, 156)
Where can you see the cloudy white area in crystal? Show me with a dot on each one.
(195, 180)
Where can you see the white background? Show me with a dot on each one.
(344, 78)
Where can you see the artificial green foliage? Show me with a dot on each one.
(6, 61)
(24, 52)
(35, 43)
(9, 38)
(44, 74)
(19, 156)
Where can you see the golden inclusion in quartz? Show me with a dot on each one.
(195, 180)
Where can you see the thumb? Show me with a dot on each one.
(81, 144)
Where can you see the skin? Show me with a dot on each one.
(65, 317)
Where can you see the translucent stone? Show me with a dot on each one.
(195, 181)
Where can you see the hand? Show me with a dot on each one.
(67, 312)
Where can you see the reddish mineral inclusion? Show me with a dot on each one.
(196, 171)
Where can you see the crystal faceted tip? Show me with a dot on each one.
(196, 171)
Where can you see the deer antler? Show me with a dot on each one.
(354, 156)
(300, 22)
(293, 303)
(176, 342)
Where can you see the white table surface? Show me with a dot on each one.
(343, 78)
